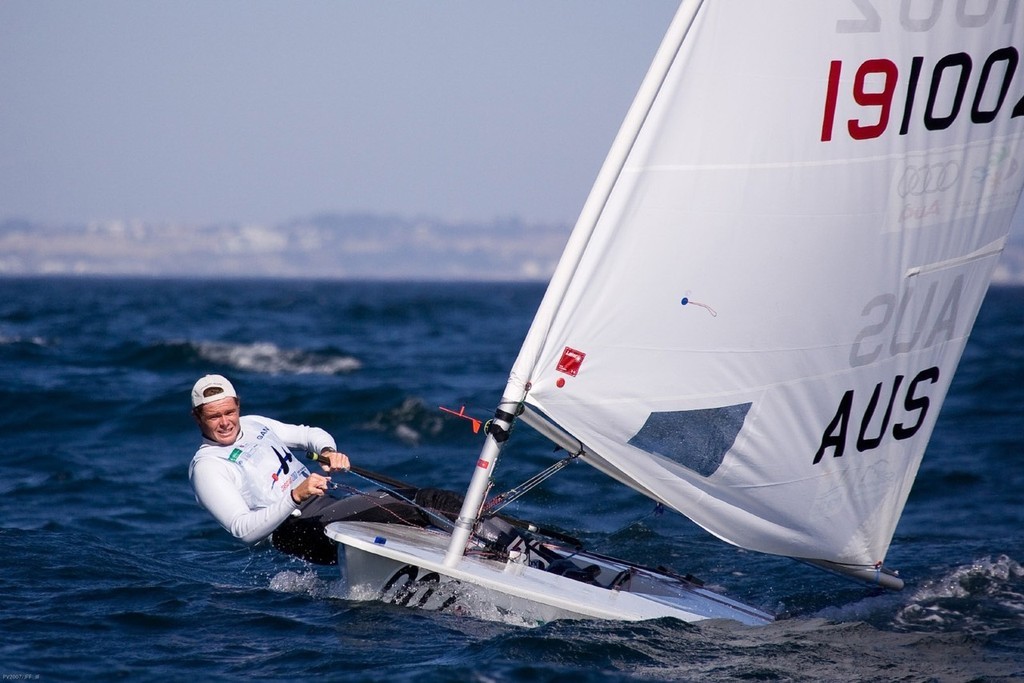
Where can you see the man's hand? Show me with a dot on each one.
(313, 485)
(333, 461)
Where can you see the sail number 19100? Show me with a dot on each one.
(948, 89)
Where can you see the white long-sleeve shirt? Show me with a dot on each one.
(247, 485)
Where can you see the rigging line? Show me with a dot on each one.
(516, 492)
(386, 486)
(444, 521)
(353, 490)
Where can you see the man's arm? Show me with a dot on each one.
(299, 436)
(217, 491)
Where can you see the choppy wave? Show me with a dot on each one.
(982, 597)
(269, 358)
(6, 340)
(408, 422)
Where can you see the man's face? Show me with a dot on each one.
(218, 421)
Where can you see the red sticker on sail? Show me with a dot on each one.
(571, 361)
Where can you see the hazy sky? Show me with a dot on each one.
(209, 111)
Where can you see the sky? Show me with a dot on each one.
(267, 111)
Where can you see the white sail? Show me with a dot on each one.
(762, 306)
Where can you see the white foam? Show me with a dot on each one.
(308, 583)
(269, 358)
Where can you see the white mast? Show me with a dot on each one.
(517, 386)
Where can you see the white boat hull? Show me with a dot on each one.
(405, 565)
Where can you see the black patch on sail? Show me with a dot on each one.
(696, 439)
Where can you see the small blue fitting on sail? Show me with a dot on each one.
(686, 300)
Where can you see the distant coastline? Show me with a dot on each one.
(330, 246)
(348, 246)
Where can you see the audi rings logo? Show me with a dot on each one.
(917, 181)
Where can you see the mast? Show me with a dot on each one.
(518, 383)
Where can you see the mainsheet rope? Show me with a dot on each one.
(387, 488)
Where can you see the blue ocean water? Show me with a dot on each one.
(109, 569)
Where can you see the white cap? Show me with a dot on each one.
(199, 391)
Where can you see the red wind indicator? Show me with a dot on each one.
(462, 414)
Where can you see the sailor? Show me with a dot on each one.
(247, 476)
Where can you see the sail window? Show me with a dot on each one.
(696, 439)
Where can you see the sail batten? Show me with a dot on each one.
(991, 250)
(839, 219)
